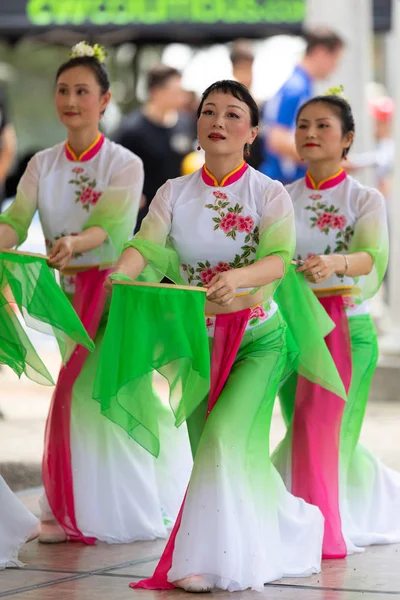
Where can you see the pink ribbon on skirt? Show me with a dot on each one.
(89, 302)
(316, 434)
(228, 334)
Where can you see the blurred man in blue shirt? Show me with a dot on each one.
(323, 52)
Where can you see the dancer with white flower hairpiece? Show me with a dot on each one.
(99, 484)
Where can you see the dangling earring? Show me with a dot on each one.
(198, 148)
(247, 149)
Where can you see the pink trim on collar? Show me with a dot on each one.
(232, 177)
(86, 154)
(327, 183)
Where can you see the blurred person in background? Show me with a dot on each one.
(381, 109)
(160, 133)
(323, 51)
(242, 59)
(8, 146)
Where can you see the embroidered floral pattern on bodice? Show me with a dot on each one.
(231, 220)
(327, 218)
(85, 192)
(259, 313)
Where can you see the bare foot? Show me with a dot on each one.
(51, 533)
(195, 584)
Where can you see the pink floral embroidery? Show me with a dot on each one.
(221, 267)
(86, 195)
(89, 196)
(315, 196)
(324, 221)
(327, 217)
(220, 195)
(207, 275)
(209, 323)
(349, 302)
(245, 224)
(339, 222)
(85, 192)
(229, 222)
(232, 222)
(258, 313)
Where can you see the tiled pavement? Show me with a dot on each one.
(103, 572)
(78, 572)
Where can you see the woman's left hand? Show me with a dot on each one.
(222, 288)
(318, 268)
(62, 252)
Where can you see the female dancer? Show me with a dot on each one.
(342, 246)
(98, 482)
(230, 228)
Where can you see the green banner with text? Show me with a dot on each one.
(159, 12)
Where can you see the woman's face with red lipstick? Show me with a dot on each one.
(319, 134)
(224, 125)
(79, 100)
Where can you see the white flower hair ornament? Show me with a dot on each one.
(336, 91)
(84, 49)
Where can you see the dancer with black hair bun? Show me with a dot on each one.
(230, 229)
(99, 484)
(342, 249)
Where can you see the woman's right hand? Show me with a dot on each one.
(108, 285)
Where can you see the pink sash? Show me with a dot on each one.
(229, 330)
(316, 435)
(89, 301)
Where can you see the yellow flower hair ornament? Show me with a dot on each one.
(84, 49)
(336, 91)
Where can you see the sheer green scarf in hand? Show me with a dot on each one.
(16, 350)
(28, 280)
(307, 325)
(152, 329)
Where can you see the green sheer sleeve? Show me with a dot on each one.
(117, 209)
(20, 214)
(371, 236)
(153, 243)
(277, 235)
